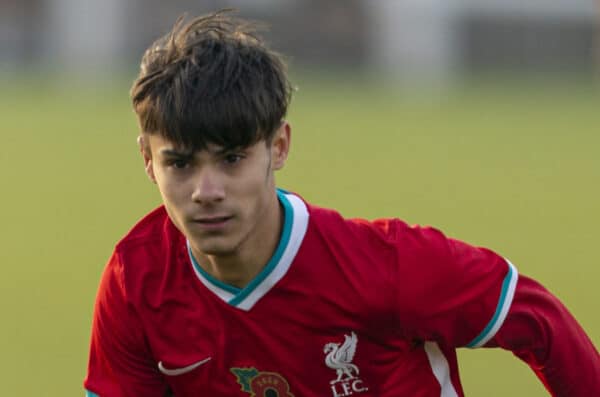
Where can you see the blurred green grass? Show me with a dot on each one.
(512, 167)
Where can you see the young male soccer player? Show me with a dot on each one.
(236, 288)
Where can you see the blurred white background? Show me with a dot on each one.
(412, 40)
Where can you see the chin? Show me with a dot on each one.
(216, 248)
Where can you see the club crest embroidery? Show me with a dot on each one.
(339, 358)
(262, 384)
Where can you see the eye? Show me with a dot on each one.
(232, 158)
(179, 163)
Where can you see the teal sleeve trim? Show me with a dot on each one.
(90, 394)
(506, 296)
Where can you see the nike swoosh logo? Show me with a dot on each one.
(183, 370)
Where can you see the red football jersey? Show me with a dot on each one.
(344, 307)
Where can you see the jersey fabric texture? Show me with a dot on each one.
(344, 307)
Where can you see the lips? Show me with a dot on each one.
(210, 220)
(212, 224)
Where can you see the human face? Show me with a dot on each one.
(219, 199)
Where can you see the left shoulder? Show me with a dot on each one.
(383, 231)
(409, 244)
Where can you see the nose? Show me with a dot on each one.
(209, 186)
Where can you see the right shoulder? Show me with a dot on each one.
(142, 258)
(120, 357)
(149, 242)
(147, 230)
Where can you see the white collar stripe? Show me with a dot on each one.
(205, 275)
(299, 227)
(215, 289)
(294, 229)
(275, 259)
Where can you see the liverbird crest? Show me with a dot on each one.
(339, 358)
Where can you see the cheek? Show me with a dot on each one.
(172, 192)
(254, 185)
(251, 192)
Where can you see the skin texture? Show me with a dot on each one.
(225, 203)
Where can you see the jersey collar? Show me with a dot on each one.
(294, 228)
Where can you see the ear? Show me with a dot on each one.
(144, 146)
(280, 145)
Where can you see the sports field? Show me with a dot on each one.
(513, 167)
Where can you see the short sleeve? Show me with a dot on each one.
(120, 362)
(449, 291)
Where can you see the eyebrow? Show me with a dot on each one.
(225, 150)
(177, 153)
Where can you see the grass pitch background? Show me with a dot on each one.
(511, 167)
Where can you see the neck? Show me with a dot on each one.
(244, 264)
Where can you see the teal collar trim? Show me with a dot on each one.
(283, 242)
(218, 283)
(294, 228)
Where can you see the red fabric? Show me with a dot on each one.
(121, 362)
(397, 287)
(541, 331)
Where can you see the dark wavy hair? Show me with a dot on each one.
(211, 80)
